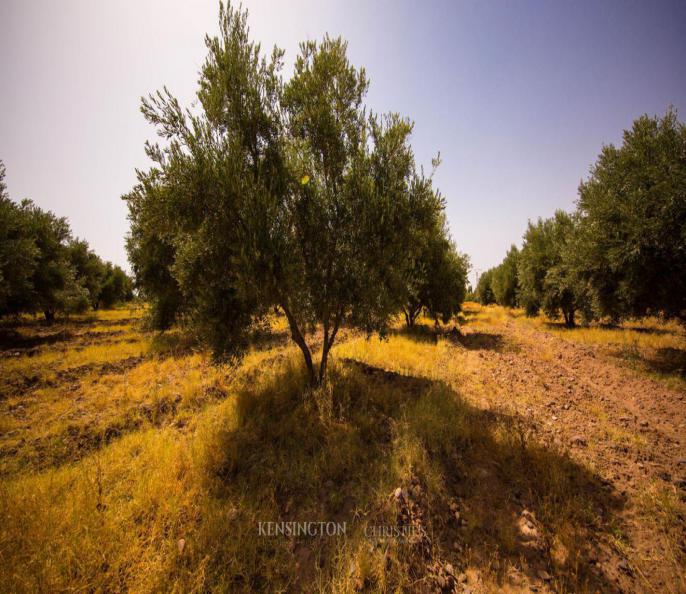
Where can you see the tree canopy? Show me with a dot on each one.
(546, 279)
(277, 193)
(438, 274)
(633, 222)
(504, 281)
(484, 288)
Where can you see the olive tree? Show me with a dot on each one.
(89, 269)
(53, 286)
(151, 255)
(632, 247)
(18, 253)
(116, 287)
(505, 282)
(438, 280)
(484, 287)
(275, 193)
(548, 278)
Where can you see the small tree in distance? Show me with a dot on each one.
(504, 280)
(89, 269)
(484, 288)
(439, 277)
(547, 279)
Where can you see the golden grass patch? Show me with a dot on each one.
(154, 477)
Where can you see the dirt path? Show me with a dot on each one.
(628, 428)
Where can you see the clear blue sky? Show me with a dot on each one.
(518, 96)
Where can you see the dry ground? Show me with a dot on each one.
(526, 456)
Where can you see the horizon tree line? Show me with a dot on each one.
(622, 252)
(44, 269)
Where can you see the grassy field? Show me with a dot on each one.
(130, 463)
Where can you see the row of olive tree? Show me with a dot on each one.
(622, 253)
(42, 269)
(501, 283)
(438, 275)
(288, 194)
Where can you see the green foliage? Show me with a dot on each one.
(41, 268)
(276, 193)
(445, 288)
(505, 284)
(53, 281)
(18, 252)
(151, 258)
(484, 288)
(535, 260)
(115, 287)
(500, 284)
(438, 276)
(548, 279)
(88, 268)
(632, 247)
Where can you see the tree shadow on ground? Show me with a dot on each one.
(63, 321)
(280, 461)
(480, 341)
(419, 333)
(11, 340)
(638, 329)
(560, 325)
(471, 340)
(173, 344)
(268, 339)
(667, 361)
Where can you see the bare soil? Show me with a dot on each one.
(630, 429)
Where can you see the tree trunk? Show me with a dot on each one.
(411, 316)
(569, 318)
(322, 365)
(328, 343)
(49, 315)
(300, 341)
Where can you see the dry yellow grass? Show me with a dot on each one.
(653, 334)
(152, 475)
(113, 520)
